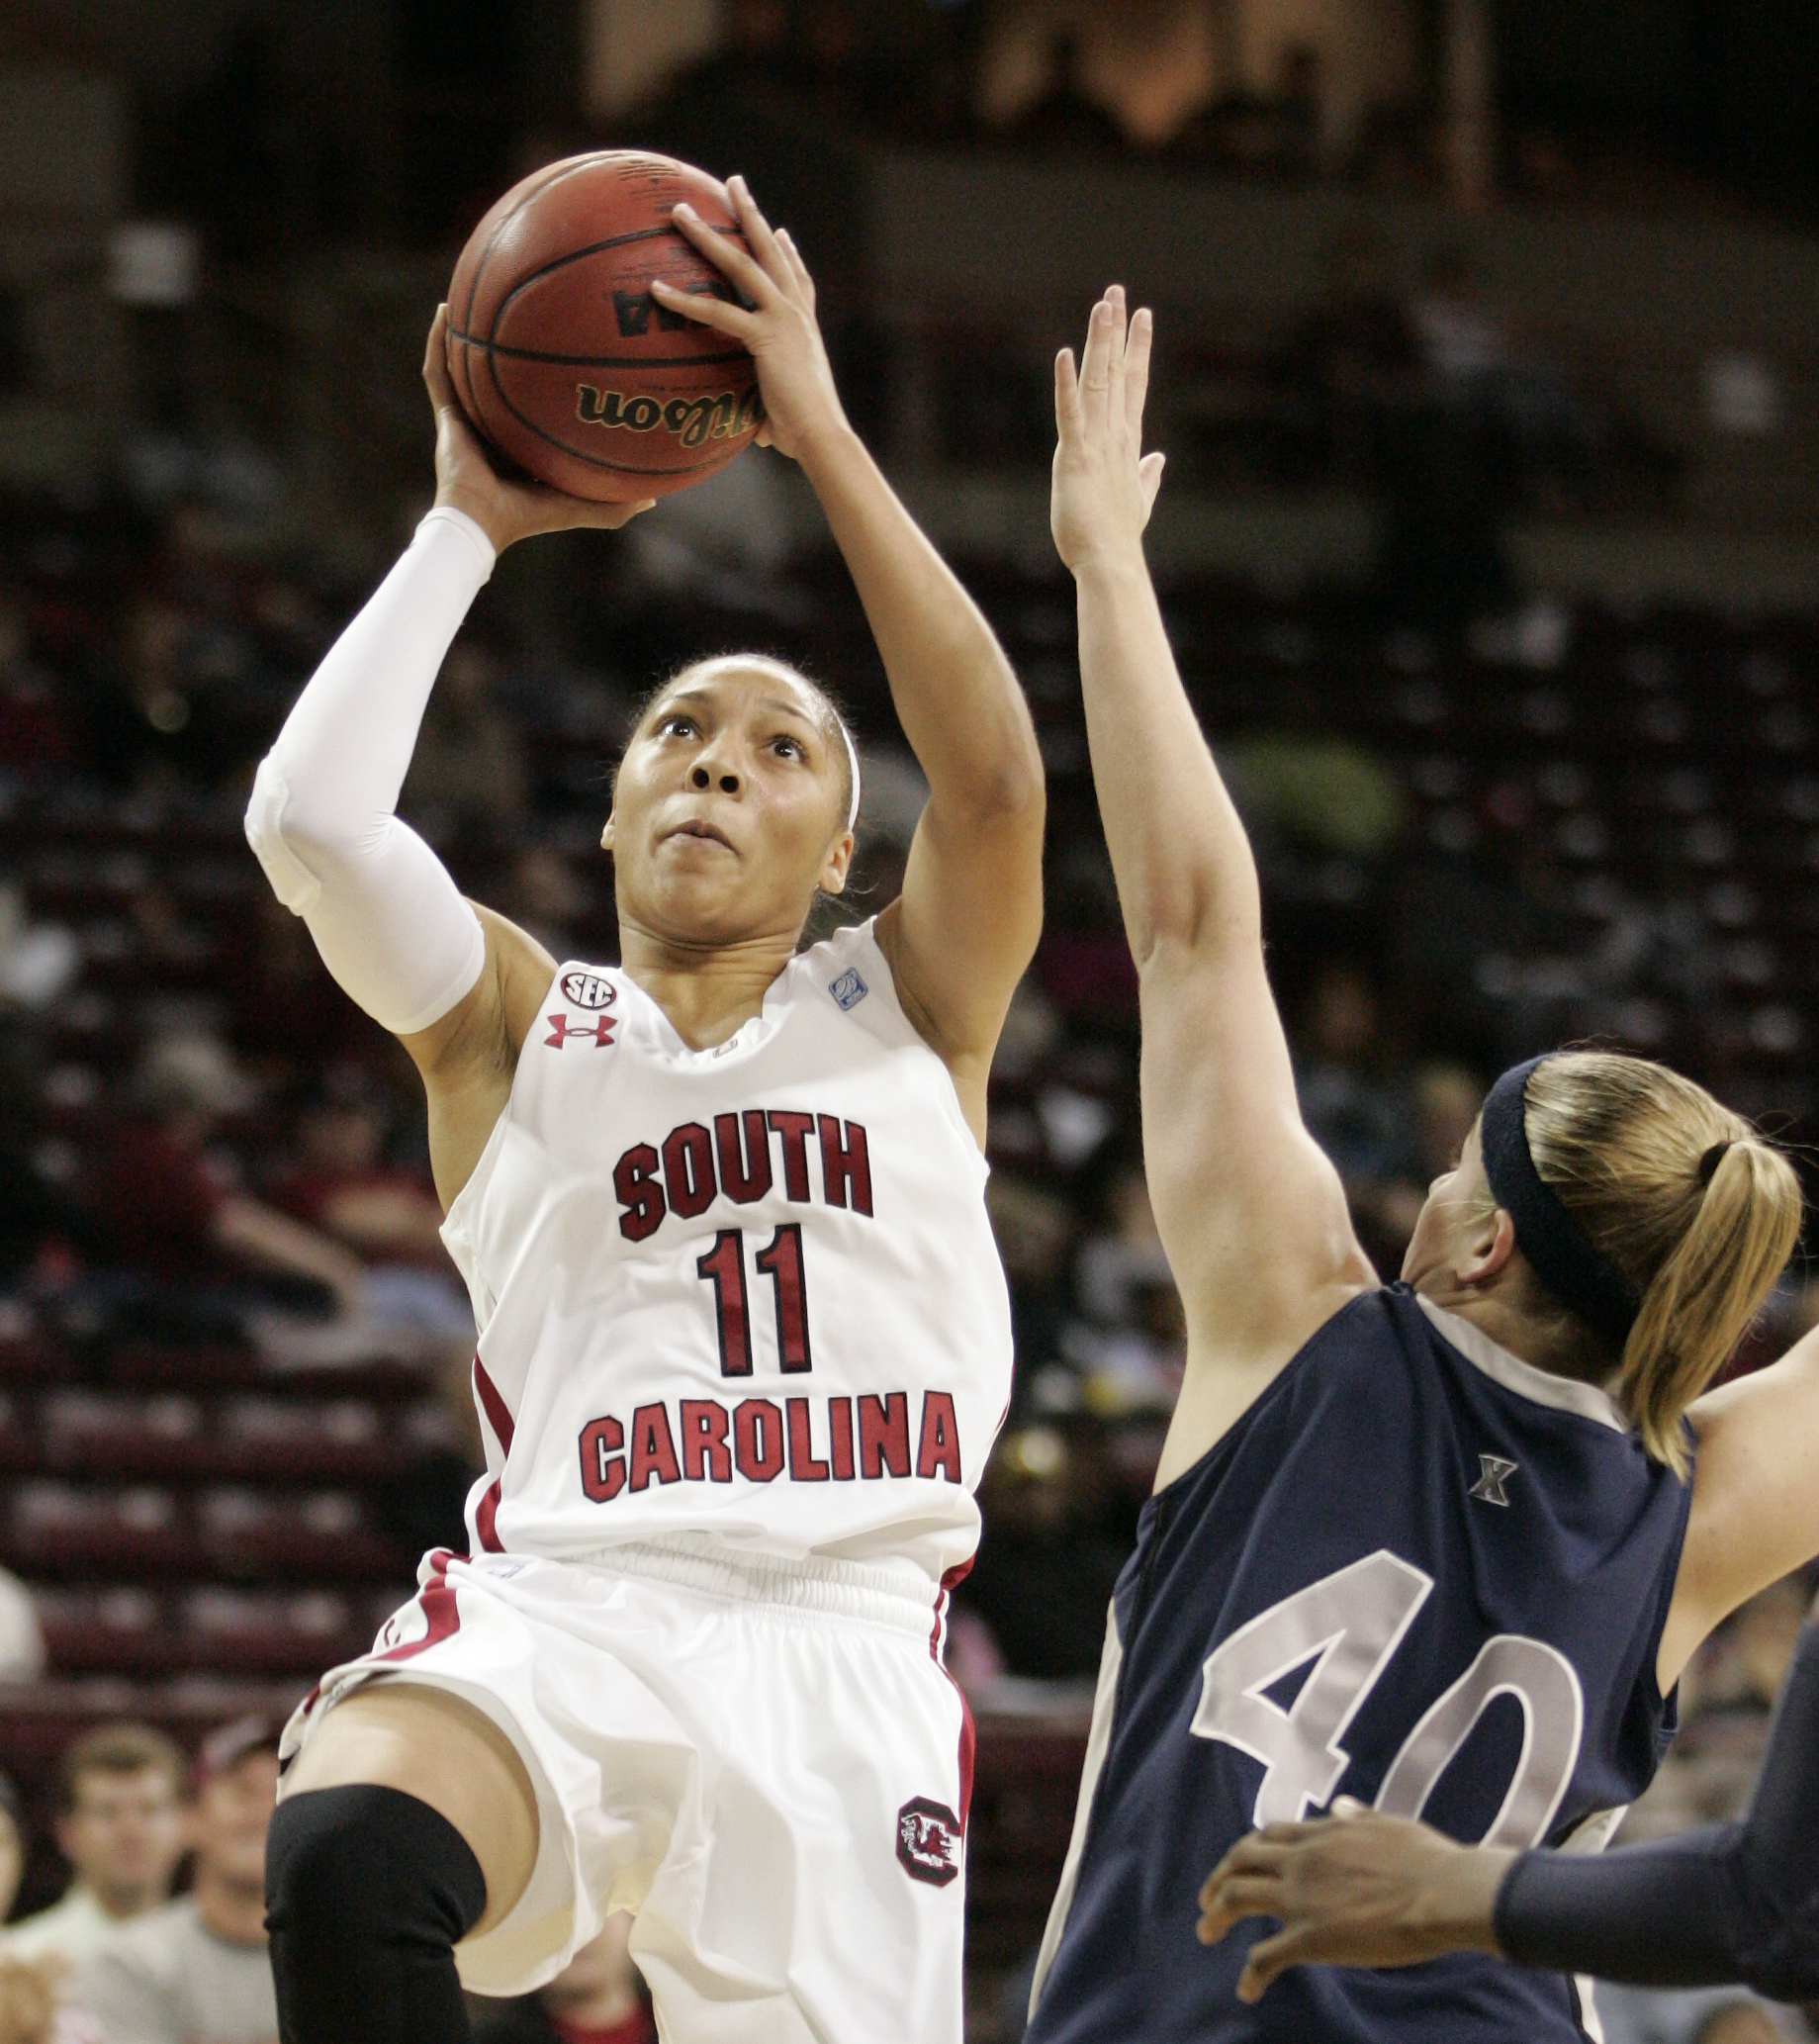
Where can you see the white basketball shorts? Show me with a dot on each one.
(762, 1760)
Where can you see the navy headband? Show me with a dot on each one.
(1563, 1256)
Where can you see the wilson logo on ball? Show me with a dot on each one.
(728, 415)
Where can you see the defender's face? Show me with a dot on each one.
(1454, 1211)
(728, 811)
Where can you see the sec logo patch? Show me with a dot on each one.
(929, 1842)
(588, 990)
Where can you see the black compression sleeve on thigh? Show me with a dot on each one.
(367, 1892)
(1736, 1901)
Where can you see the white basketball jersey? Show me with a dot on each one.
(749, 1292)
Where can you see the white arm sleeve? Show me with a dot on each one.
(387, 917)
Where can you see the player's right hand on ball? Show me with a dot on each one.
(467, 481)
(1103, 485)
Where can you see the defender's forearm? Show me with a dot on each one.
(1184, 867)
(1729, 1903)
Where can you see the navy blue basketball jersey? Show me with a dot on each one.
(1417, 1571)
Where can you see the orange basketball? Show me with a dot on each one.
(560, 354)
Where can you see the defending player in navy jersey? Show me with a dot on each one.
(744, 1339)
(1445, 1545)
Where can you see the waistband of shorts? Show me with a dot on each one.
(814, 1584)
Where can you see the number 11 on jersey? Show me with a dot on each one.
(780, 1260)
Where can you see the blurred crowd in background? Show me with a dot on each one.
(1495, 808)
(208, 1150)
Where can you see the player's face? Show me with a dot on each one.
(728, 813)
(1453, 1213)
(126, 1829)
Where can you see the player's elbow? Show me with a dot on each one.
(297, 834)
(1187, 920)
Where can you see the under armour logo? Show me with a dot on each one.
(598, 1032)
(1490, 1486)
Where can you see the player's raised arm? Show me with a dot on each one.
(971, 912)
(1755, 1514)
(1251, 1213)
(459, 985)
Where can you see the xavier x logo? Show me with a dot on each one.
(1490, 1486)
(598, 1032)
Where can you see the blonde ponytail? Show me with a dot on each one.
(1691, 1204)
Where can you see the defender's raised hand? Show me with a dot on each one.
(776, 320)
(467, 481)
(1103, 485)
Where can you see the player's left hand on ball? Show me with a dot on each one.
(777, 321)
(1103, 485)
(467, 481)
(1355, 1889)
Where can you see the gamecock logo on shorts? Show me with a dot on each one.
(929, 1842)
(588, 990)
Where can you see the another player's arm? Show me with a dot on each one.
(457, 984)
(965, 927)
(1755, 1514)
(1251, 1213)
(1725, 1902)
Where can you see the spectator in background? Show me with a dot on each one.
(469, 768)
(120, 1825)
(545, 896)
(344, 1190)
(11, 1846)
(196, 1971)
(1703, 2015)
(1442, 562)
(1131, 1344)
(147, 732)
(1046, 1563)
(1034, 1231)
(178, 1216)
(598, 1998)
(1444, 1101)
(342, 1186)
(1349, 366)
(22, 1637)
(32, 733)
(1350, 1110)
(290, 1015)
(28, 1987)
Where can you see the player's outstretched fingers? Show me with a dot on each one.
(440, 384)
(1238, 1896)
(1269, 1957)
(1095, 367)
(757, 230)
(797, 267)
(1115, 364)
(746, 275)
(1066, 396)
(610, 516)
(1138, 347)
(703, 309)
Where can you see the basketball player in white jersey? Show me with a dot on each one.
(744, 1339)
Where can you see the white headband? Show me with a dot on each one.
(852, 762)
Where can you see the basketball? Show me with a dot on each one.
(561, 357)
